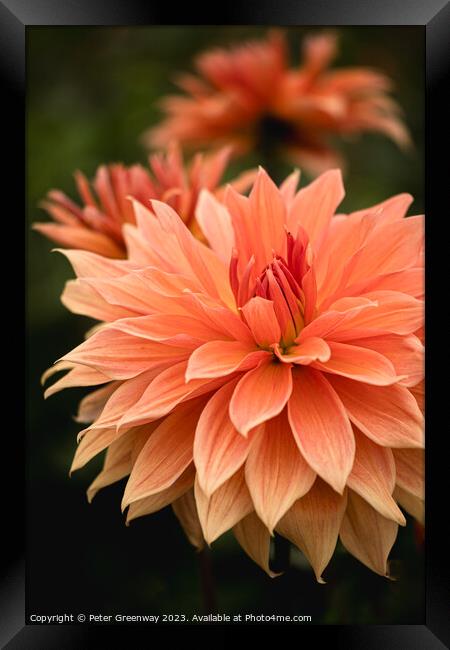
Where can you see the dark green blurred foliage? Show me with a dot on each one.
(91, 94)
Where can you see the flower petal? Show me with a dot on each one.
(313, 524)
(219, 450)
(360, 364)
(305, 352)
(261, 394)
(410, 468)
(388, 415)
(166, 454)
(220, 358)
(412, 504)
(185, 509)
(160, 500)
(321, 427)
(275, 471)
(254, 538)
(314, 205)
(260, 316)
(373, 477)
(230, 503)
(367, 535)
(215, 222)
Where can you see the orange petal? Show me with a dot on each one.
(219, 450)
(275, 472)
(91, 265)
(230, 503)
(373, 477)
(160, 500)
(410, 468)
(367, 535)
(313, 525)
(254, 538)
(80, 237)
(360, 364)
(185, 509)
(220, 358)
(321, 427)
(389, 415)
(269, 212)
(261, 394)
(314, 205)
(260, 316)
(166, 454)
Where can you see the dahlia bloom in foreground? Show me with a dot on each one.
(270, 382)
(97, 225)
(249, 96)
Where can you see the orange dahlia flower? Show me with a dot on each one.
(97, 225)
(265, 383)
(249, 96)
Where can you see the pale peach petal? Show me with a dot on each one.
(314, 205)
(313, 524)
(92, 405)
(410, 468)
(261, 394)
(167, 390)
(373, 477)
(406, 353)
(389, 415)
(168, 328)
(77, 376)
(220, 358)
(412, 504)
(185, 509)
(260, 316)
(321, 427)
(121, 356)
(360, 364)
(396, 312)
(91, 265)
(123, 399)
(230, 503)
(219, 450)
(215, 222)
(81, 298)
(206, 266)
(288, 187)
(166, 454)
(307, 351)
(367, 535)
(254, 538)
(160, 500)
(116, 466)
(275, 471)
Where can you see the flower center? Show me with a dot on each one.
(278, 284)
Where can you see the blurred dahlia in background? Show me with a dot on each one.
(268, 382)
(248, 95)
(97, 225)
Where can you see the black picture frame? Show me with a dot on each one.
(434, 15)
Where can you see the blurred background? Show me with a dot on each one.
(91, 93)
